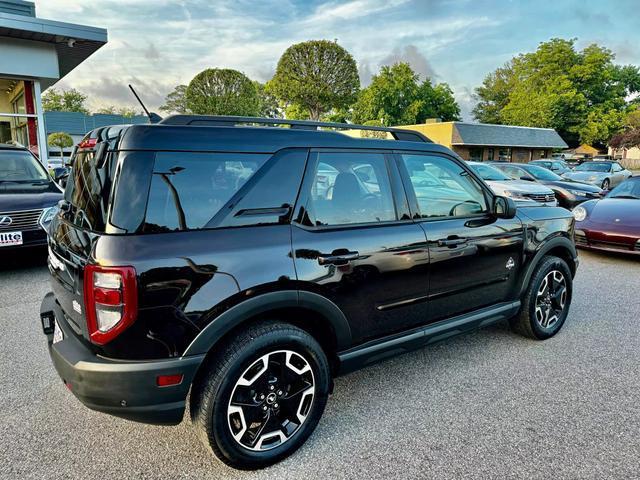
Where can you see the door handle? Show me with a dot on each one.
(337, 257)
(452, 241)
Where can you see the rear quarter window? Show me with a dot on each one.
(188, 189)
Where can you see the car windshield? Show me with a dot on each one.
(20, 166)
(627, 189)
(540, 173)
(489, 173)
(593, 167)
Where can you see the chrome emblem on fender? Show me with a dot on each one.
(510, 263)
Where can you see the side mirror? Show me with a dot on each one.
(60, 175)
(504, 207)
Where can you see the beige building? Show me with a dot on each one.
(484, 142)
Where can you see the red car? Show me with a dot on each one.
(612, 223)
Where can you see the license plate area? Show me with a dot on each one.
(10, 239)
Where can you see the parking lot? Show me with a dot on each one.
(486, 405)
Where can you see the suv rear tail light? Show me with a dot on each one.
(111, 301)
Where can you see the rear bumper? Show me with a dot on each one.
(122, 388)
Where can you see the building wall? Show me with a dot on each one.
(441, 133)
(519, 155)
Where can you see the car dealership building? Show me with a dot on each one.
(35, 54)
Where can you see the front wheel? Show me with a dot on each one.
(605, 184)
(263, 395)
(546, 302)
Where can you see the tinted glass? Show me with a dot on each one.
(188, 189)
(513, 172)
(20, 166)
(542, 173)
(593, 167)
(349, 188)
(489, 173)
(268, 197)
(443, 188)
(88, 190)
(628, 189)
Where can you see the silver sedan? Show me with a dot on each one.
(601, 174)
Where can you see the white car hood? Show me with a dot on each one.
(518, 186)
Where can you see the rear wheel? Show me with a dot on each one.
(546, 302)
(263, 395)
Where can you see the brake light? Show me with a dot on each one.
(111, 301)
(88, 143)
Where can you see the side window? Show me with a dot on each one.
(443, 188)
(617, 167)
(268, 197)
(188, 189)
(349, 188)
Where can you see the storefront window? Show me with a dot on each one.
(475, 154)
(18, 119)
(490, 154)
(504, 155)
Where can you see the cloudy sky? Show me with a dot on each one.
(157, 44)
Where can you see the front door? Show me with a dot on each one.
(474, 257)
(355, 243)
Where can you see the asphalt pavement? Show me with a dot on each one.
(485, 405)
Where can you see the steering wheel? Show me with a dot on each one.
(452, 212)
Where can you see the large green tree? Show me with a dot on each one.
(317, 76)
(175, 101)
(397, 97)
(267, 102)
(580, 93)
(64, 101)
(220, 91)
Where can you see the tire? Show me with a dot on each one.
(539, 308)
(243, 371)
(606, 184)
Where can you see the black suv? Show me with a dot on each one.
(246, 266)
(28, 199)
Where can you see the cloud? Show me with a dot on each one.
(411, 55)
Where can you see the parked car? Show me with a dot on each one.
(603, 174)
(612, 223)
(174, 275)
(28, 200)
(568, 192)
(519, 190)
(557, 166)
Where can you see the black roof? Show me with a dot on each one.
(253, 139)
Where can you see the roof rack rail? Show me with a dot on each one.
(214, 120)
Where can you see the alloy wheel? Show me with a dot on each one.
(551, 299)
(271, 400)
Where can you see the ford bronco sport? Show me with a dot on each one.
(241, 267)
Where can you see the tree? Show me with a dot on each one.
(318, 75)
(175, 101)
(61, 140)
(220, 91)
(582, 94)
(268, 104)
(127, 112)
(64, 101)
(397, 97)
(630, 137)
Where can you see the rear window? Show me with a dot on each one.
(88, 190)
(188, 189)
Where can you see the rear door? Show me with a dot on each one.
(355, 243)
(474, 257)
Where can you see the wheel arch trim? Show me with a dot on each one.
(264, 303)
(556, 242)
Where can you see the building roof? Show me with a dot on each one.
(482, 134)
(73, 43)
(77, 123)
